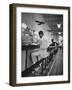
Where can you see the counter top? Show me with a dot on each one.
(32, 46)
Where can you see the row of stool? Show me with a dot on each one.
(45, 61)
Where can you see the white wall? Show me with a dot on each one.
(4, 45)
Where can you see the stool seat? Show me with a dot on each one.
(45, 55)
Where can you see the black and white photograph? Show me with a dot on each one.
(42, 44)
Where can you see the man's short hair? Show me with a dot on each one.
(52, 40)
(41, 32)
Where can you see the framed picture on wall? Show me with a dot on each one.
(39, 44)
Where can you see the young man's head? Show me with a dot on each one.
(41, 34)
(52, 40)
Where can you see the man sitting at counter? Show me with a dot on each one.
(53, 44)
(42, 51)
